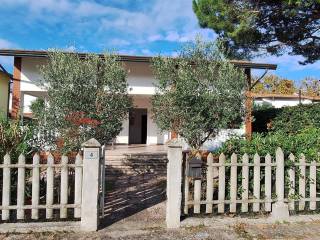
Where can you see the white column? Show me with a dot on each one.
(90, 188)
(174, 186)
(280, 210)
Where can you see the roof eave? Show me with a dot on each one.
(126, 58)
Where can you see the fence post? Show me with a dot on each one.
(90, 187)
(174, 170)
(280, 210)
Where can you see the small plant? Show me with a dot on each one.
(304, 142)
(14, 138)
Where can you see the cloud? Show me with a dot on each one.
(6, 43)
(291, 63)
(175, 36)
(159, 19)
(119, 42)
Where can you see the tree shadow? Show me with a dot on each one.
(132, 185)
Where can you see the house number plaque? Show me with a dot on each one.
(91, 153)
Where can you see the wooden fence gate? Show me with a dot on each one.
(54, 189)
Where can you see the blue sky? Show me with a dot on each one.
(134, 27)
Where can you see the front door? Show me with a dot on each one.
(138, 118)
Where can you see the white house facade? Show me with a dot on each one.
(284, 100)
(139, 128)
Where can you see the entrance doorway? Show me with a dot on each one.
(138, 118)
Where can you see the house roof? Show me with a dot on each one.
(126, 58)
(284, 96)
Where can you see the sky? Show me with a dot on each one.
(133, 27)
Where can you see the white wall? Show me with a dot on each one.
(30, 73)
(281, 102)
(140, 78)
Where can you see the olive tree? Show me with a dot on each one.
(87, 97)
(198, 93)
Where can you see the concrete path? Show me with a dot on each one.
(149, 224)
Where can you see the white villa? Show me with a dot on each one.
(139, 128)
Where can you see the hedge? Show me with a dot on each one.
(288, 119)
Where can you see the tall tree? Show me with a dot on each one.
(86, 97)
(275, 84)
(311, 86)
(251, 27)
(198, 94)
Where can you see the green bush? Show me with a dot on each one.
(14, 138)
(305, 141)
(293, 119)
(288, 119)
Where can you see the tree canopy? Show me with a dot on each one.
(86, 97)
(311, 87)
(198, 93)
(275, 84)
(250, 27)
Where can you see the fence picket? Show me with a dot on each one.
(209, 191)
(21, 187)
(35, 186)
(245, 183)
(221, 194)
(186, 185)
(6, 187)
(267, 182)
(256, 182)
(302, 182)
(50, 186)
(78, 186)
(197, 191)
(292, 182)
(233, 184)
(313, 185)
(64, 187)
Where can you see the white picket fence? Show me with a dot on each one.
(219, 175)
(49, 171)
(87, 201)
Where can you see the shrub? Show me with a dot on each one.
(293, 119)
(14, 139)
(306, 141)
(288, 119)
